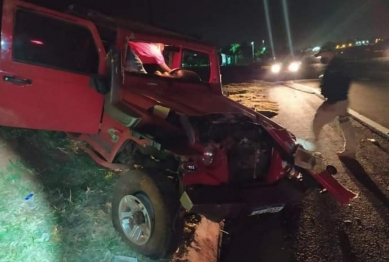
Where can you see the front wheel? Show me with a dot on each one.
(145, 212)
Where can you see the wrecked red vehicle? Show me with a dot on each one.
(183, 146)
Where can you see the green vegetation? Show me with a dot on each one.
(72, 221)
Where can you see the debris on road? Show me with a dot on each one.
(252, 95)
(204, 245)
(362, 224)
(373, 141)
(348, 222)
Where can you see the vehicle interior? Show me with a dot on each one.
(190, 66)
(185, 65)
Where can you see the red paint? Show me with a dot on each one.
(340, 193)
(56, 100)
(64, 101)
(276, 171)
(216, 174)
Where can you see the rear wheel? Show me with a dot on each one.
(145, 212)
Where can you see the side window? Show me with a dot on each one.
(48, 42)
(168, 55)
(197, 62)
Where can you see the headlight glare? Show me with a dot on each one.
(294, 66)
(276, 68)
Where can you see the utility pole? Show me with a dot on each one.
(253, 50)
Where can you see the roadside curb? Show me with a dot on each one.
(304, 89)
(305, 80)
(360, 118)
(283, 82)
(277, 83)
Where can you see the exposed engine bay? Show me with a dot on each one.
(248, 145)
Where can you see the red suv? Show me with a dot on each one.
(183, 146)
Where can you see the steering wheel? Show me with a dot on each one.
(186, 75)
(174, 70)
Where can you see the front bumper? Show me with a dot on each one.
(315, 166)
(231, 201)
(226, 200)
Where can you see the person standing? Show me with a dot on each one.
(335, 88)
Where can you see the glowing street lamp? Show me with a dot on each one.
(252, 48)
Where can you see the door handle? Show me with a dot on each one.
(17, 80)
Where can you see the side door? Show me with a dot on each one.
(46, 63)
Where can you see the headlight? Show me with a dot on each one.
(276, 68)
(209, 155)
(294, 67)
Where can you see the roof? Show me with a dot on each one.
(134, 26)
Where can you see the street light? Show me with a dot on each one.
(252, 48)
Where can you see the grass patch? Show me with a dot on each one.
(72, 221)
(252, 95)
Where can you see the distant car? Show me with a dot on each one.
(282, 69)
(285, 67)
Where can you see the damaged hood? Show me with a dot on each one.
(193, 103)
(199, 103)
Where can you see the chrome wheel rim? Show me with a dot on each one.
(135, 219)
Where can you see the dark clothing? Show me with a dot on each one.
(336, 81)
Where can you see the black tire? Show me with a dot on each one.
(160, 195)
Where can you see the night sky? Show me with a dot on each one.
(225, 21)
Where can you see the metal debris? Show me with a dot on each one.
(30, 202)
(225, 232)
(373, 141)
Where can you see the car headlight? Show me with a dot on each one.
(294, 66)
(208, 155)
(276, 68)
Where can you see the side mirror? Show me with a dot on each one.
(101, 84)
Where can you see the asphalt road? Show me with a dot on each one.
(369, 98)
(322, 230)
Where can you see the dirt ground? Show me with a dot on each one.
(253, 95)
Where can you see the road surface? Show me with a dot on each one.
(369, 98)
(321, 230)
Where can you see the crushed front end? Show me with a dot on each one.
(249, 167)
